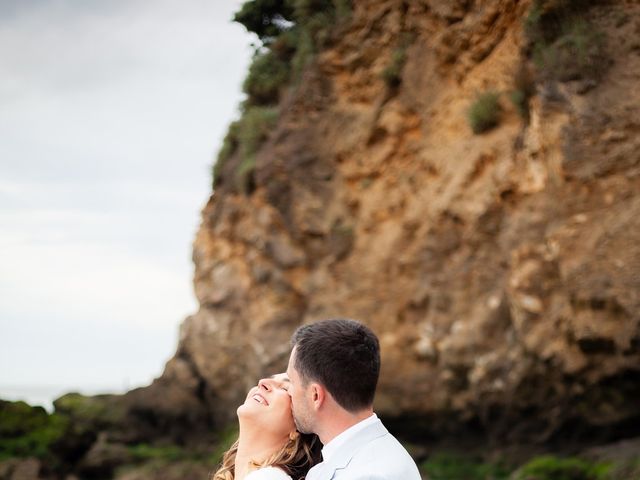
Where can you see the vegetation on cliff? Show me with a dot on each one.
(484, 113)
(563, 44)
(555, 468)
(30, 433)
(290, 32)
(88, 436)
(27, 431)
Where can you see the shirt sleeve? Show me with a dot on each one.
(268, 473)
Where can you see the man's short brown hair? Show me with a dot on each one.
(342, 355)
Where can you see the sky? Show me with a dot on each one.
(111, 115)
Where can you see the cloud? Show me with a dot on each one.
(111, 114)
(130, 79)
(91, 281)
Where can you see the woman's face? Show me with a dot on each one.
(268, 405)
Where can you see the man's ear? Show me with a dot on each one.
(318, 395)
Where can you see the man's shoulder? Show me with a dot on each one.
(382, 448)
(371, 453)
(384, 457)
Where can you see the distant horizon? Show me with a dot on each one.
(44, 395)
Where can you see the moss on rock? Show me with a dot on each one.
(27, 431)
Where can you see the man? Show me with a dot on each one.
(333, 372)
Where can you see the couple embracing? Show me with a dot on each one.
(316, 421)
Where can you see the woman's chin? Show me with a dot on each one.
(244, 410)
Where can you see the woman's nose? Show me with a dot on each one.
(265, 384)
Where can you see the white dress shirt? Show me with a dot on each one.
(366, 451)
(334, 445)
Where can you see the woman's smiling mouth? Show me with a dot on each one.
(260, 399)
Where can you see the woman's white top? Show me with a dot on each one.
(268, 473)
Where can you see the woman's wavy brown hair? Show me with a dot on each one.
(296, 457)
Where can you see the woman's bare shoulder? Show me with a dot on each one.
(268, 473)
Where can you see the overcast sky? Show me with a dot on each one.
(111, 113)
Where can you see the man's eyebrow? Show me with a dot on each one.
(284, 379)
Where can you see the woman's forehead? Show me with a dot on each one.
(281, 377)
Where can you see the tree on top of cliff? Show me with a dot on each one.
(269, 18)
(265, 18)
(291, 32)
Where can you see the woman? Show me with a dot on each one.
(269, 447)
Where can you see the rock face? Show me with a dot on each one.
(501, 271)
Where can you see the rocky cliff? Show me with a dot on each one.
(500, 269)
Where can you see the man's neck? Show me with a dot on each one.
(341, 421)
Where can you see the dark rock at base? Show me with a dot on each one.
(103, 458)
(172, 409)
(623, 455)
(21, 469)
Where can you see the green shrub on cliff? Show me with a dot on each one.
(291, 32)
(392, 74)
(547, 18)
(524, 87)
(98, 411)
(343, 8)
(447, 466)
(27, 431)
(170, 453)
(556, 468)
(245, 137)
(266, 18)
(576, 54)
(484, 113)
(562, 43)
(305, 49)
(256, 124)
(267, 75)
(270, 19)
(229, 146)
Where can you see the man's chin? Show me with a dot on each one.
(301, 427)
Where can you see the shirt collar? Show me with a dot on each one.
(332, 447)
